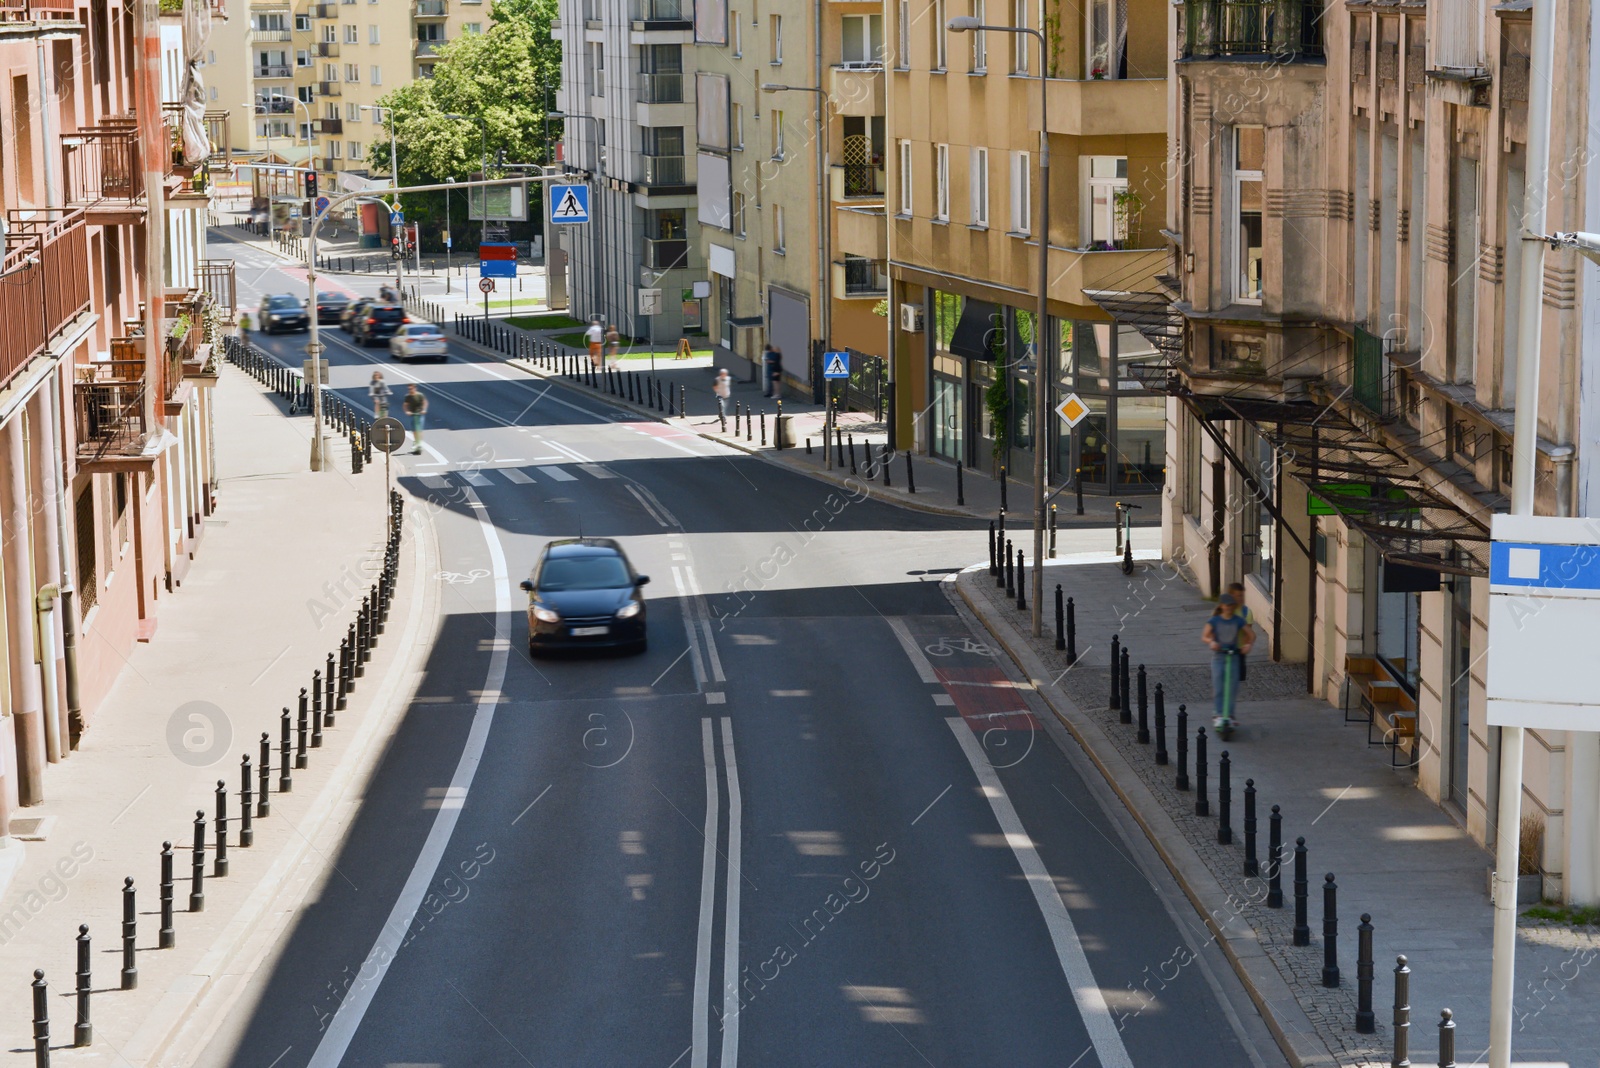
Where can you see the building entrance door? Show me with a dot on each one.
(946, 437)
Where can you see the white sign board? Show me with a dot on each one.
(649, 302)
(1544, 613)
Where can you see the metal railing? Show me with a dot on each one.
(862, 180)
(275, 105)
(327, 50)
(37, 10)
(1253, 28)
(663, 170)
(864, 278)
(270, 36)
(329, 89)
(273, 70)
(432, 9)
(430, 49)
(217, 278)
(330, 126)
(102, 163)
(49, 251)
(108, 400)
(661, 88)
(665, 254)
(323, 11)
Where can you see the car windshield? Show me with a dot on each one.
(387, 313)
(329, 297)
(282, 302)
(584, 573)
(429, 332)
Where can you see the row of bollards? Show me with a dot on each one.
(292, 386)
(318, 704)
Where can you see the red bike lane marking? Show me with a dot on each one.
(986, 699)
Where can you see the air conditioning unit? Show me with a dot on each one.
(911, 318)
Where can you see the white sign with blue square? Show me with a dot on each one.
(569, 203)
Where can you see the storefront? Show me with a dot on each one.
(1120, 448)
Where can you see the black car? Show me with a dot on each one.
(330, 306)
(378, 323)
(356, 307)
(584, 594)
(281, 312)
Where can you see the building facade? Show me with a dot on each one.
(106, 309)
(1346, 224)
(964, 190)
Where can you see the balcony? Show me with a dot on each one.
(49, 252)
(323, 11)
(857, 278)
(274, 70)
(857, 181)
(327, 50)
(663, 170)
(37, 10)
(666, 254)
(330, 126)
(108, 400)
(277, 105)
(102, 164)
(857, 90)
(1102, 107)
(429, 50)
(432, 9)
(217, 278)
(661, 88)
(274, 36)
(863, 233)
(664, 11)
(329, 89)
(1074, 271)
(1252, 29)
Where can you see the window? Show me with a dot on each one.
(377, 74)
(211, 58)
(902, 57)
(472, 27)
(1021, 193)
(777, 132)
(1104, 177)
(1249, 150)
(302, 58)
(738, 34)
(978, 185)
(352, 113)
(941, 170)
(1190, 452)
(905, 177)
(352, 34)
(330, 72)
(863, 40)
(302, 23)
(738, 214)
(330, 34)
(941, 39)
(355, 150)
(373, 36)
(980, 47)
(352, 72)
(306, 94)
(1107, 38)
(337, 146)
(1019, 44)
(776, 23)
(736, 123)
(777, 228)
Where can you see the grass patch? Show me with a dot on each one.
(1578, 917)
(544, 322)
(575, 340)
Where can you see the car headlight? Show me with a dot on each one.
(546, 615)
(629, 610)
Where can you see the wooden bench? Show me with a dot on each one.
(1385, 706)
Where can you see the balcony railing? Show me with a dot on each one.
(102, 163)
(274, 70)
(329, 89)
(432, 9)
(863, 180)
(37, 10)
(664, 11)
(865, 278)
(429, 49)
(1252, 28)
(327, 50)
(275, 105)
(108, 400)
(270, 36)
(663, 170)
(217, 278)
(661, 88)
(324, 11)
(330, 126)
(666, 254)
(46, 263)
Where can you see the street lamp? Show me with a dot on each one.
(394, 172)
(594, 201)
(967, 24)
(448, 237)
(823, 287)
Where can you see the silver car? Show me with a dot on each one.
(415, 341)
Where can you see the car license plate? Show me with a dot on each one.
(589, 632)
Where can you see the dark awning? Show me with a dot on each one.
(972, 332)
(746, 320)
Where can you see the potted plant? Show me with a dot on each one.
(1126, 206)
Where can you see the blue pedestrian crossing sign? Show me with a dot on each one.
(569, 203)
(396, 218)
(835, 365)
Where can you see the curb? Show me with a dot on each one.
(219, 978)
(1291, 1027)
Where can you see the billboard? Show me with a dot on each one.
(505, 203)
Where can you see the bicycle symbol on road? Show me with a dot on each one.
(455, 578)
(947, 646)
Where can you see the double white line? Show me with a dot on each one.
(701, 1049)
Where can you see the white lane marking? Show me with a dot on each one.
(569, 451)
(711, 650)
(914, 653)
(730, 930)
(596, 470)
(716, 697)
(708, 894)
(434, 481)
(943, 699)
(512, 474)
(689, 630)
(476, 479)
(651, 509)
(342, 1030)
(556, 473)
(1091, 1002)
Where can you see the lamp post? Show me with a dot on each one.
(594, 200)
(394, 172)
(967, 24)
(448, 237)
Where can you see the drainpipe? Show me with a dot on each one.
(153, 150)
(69, 621)
(46, 601)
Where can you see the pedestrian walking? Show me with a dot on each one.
(244, 329)
(684, 352)
(1229, 637)
(378, 390)
(593, 337)
(769, 357)
(775, 370)
(613, 347)
(723, 388)
(416, 406)
(1236, 590)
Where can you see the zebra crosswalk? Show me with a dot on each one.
(516, 476)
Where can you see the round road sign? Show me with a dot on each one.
(388, 434)
(486, 285)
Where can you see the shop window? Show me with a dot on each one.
(1141, 442)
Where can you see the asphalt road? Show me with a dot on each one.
(815, 824)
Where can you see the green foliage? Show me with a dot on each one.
(544, 322)
(1577, 915)
(997, 398)
(881, 309)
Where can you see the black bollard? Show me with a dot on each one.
(852, 440)
(1275, 859)
(1161, 725)
(130, 934)
(763, 428)
(1366, 1019)
(1202, 803)
(302, 728)
(1447, 1038)
(1127, 693)
(1302, 890)
(358, 651)
(1002, 487)
(316, 709)
(911, 478)
(219, 866)
(1224, 799)
(168, 937)
(838, 447)
(1182, 780)
(1251, 865)
(1144, 711)
(247, 834)
(884, 464)
(41, 1021)
(1010, 564)
(327, 694)
(197, 876)
(1061, 619)
(264, 777)
(1022, 583)
(346, 678)
(961, 496)
(1402, 1014)
(1116, 665)
(82, 1029)
(285, 761)
(1330, 931)
(1072, 633)
(994, 557)
(1052, 532)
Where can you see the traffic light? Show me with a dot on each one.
(311, 185)
(500, 159)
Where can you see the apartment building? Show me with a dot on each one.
(105, 475)
(629, 85)
(965, 192)
(1346, 234)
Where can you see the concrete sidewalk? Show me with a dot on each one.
(1395, 854)
(278, 577)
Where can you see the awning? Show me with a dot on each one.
(746, 321)
(971, 335)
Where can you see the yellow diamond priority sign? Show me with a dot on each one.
(1072, 410)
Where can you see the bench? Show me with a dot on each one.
(1384, 704)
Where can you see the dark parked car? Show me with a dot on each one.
(356, 307)
(330, 306)
(281, 312)
(584, 594)
(378, 323)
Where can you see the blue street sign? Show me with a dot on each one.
(1544, 567)
(322, 205)
(835, 365)
(569, 203)
(396, 218)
